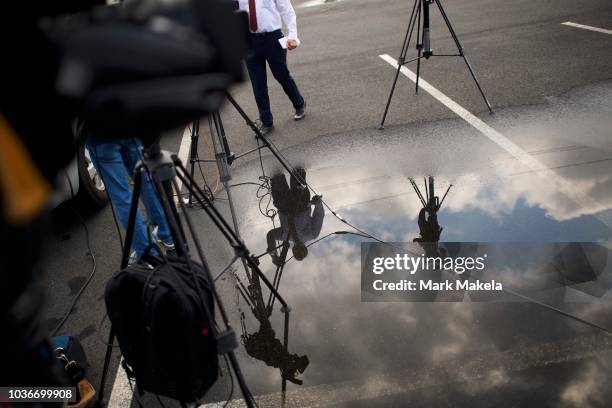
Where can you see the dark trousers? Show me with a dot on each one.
(267, 48)
(290, 200)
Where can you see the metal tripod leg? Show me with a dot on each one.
(402, 59)
(230, 156)
(127, 246)
(461, 52)
(193, 151)
(419, 40)
(221, 147)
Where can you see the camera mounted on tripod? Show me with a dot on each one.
(147, 66)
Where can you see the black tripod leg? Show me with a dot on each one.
(127, 247)
(248, 397)
(259, 135)
(107, 357)
(193, 151)
(401, 60)
(461, 52)
(477, 83)
(420, 49)
(219, 124)
(210, 209)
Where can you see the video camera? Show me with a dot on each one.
(146, 66)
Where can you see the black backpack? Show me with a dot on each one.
(164, 333)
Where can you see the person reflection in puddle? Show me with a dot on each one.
(298, 223)
(264, 346)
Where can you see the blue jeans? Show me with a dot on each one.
(115, 161)
(267, 48)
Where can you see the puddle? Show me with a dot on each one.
(338, 341)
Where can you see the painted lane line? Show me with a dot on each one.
(537, 167)
(183, 153)
(121, 393)
(586, 27)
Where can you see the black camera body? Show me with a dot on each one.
(146, 66)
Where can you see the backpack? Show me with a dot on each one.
(164, 333)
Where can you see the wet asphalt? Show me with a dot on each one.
(550, 87)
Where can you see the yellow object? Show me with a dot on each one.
(24, 191)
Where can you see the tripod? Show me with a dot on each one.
(420, 16)
(224, 159)
(214, 122)
(164, 169)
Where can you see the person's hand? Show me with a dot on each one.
(316, 199)
(292, 44)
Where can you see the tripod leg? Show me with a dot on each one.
(402, 59)
(248, 397)
(193, 151)
(461, 52)
(209, 208)
(259, 135)
(420, 49)
(129, 234)
(124, 262)
(477, 83)
(221, 148)
(164, 190)
(221, 130)
(107, 357)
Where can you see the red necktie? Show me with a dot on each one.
(252, 16)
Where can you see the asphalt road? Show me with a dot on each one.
(534, 70)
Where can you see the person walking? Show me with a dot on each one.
(265, 22)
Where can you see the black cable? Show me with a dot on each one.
(327, 236)
(368, 235)
(229, 372)
(301, 180)
(266, 187)
(245, 183)
(91, 254)
(198, 161)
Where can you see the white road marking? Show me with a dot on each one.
(121, 394)
(540, 169)
(586, 27)
(183, 153)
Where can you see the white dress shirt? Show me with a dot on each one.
(271, 14)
